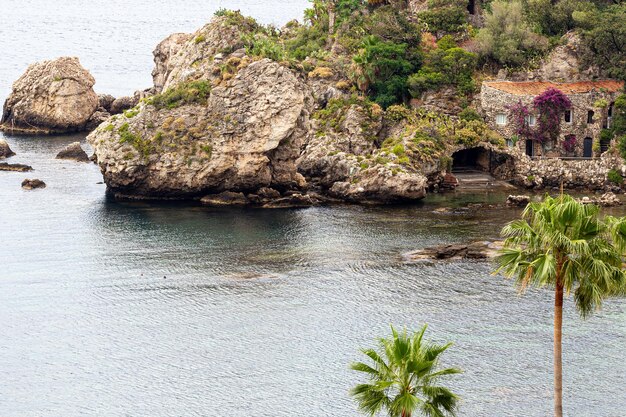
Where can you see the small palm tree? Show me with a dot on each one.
(563, 244)
(404, 378)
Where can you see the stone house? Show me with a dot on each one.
(591, 111)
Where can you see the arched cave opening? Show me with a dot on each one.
(472, 159)
(479, 159)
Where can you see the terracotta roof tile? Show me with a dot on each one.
(534, 88)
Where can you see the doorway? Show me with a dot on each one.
(588, 148)
(529, 148)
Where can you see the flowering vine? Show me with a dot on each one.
(519, 115)
(549, 105)
(569, 143)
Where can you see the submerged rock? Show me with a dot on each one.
(51, 97)
(73, 152)
(15, 167)
(29, 184)
(227, 198)
(474, 250)
(5, 150)
(295, 200)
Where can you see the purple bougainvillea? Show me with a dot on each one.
(569, 143)
(519, 114)
(549, 105)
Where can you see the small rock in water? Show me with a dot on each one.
(29, 184)
(5, 151)
(73, 152)
(15, 167)
(518, 200)
(605, 200)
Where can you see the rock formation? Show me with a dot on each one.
(231, 127)
(73, 152)
(29, 184)
(15, 167)
(5, 151)
(165, 50)
(518, 200)
(474, 250)
(51, 97)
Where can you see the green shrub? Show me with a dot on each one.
(383, 69)
(199, 39)
(468, 114)
(185, 93)
(604, 37)
(264, 46)
(397, 112)
(452, 66)
(398, 150)
(130, 113)
(424, 80)
(621, 146)
(615, 177)
(619, 115)
(507, 37)
(143, 146)
(445, 16)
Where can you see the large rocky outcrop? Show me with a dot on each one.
(51, 97)
(253, 136)
(245, 137)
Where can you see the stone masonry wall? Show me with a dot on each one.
(494, 102)
(584, 174)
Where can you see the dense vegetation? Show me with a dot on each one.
(378, 48)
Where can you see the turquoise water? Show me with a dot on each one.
(136, 309)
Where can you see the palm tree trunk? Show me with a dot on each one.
(558, 357)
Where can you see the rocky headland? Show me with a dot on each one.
(244, 114)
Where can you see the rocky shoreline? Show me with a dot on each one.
(227, 126)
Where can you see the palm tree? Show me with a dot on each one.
(563, 244)
(404, 378)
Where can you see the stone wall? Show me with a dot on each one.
(495, 101)
(584, 174)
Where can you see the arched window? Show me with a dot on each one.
(590, 114)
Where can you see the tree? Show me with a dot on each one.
(563, 244)
(382, 68)
(404, 378)
(604, 35)
(506, 37)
